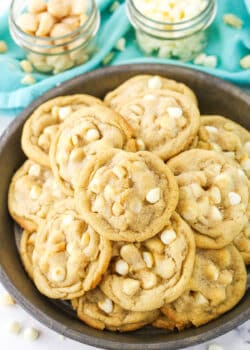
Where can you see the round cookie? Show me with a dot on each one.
(217, 285)
(86, 132)
(69, 256)
(242, 243)
(27, 244)
(213, 196)
(139, 83)
(42, 125)
(222, 134)
(98, 311)
(143, 276)
(165, 122)
(32, 191)
(126, 196)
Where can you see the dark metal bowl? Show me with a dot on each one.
(215, 96)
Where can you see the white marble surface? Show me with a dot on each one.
(237, 339)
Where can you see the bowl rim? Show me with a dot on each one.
(51, 322)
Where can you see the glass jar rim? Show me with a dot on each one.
(45, 39)
(165, 23)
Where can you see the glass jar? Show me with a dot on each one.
(183, 39)
(56, 54)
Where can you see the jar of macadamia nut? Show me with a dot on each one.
(55, 34)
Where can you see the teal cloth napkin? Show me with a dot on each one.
(229, 44)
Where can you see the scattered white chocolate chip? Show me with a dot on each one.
(117, 209)
(28, 79)
(130, 286)
(58, 274)
(140, 144)
(225, 277)
(215, 347)
(37, 6)
(212, 272)
(64, 112)
(148, 258)
(14, 327)
(211, 129)
(92, 135)
(232, 20)
(245, 62)
(234, 198)
(168, 236)
(3, 46)
(35, 192)
(35, 170)
(174, 112)
(7, 300)
(121, 44)
(154, 195)
(122, 267)
(30, 334)
(106, 305)
(155, 83)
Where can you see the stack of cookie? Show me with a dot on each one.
(136, 208)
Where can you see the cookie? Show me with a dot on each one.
(126, 196)
(32, 191)
(222, 134)
(98, 311)
(86, 132)
(213, 196)
(218, 283)
(69, 256)
(165, 122)
(43, 124)
(27, 244)
(242, 243)
(139, 83)
(143, 276)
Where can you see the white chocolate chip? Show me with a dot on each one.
(149, 98)
(234, 198)
(35, 192)
(130, 286)
(117, 209)
(35, 170)
(155, 83)
(154, 195)
(14, 327)
(141, 144)
(122, 267)
(3, 46)
(106, 305)
(67, 220)
(200, 299)
(211, 129)
(174, 112)
(92, 135)
(212, 272)
(30, 334)
(26, 66)
(119, 171)
(58, 274)
(28, 79)
(168, 236)
(225, 277)
(7, 300)
(148, 258)
(64, 112)
(215, 214)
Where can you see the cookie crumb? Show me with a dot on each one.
(30, 334)
(7, 300)
(14, 327)
(3, 46)
(245, 62)
(233, 21)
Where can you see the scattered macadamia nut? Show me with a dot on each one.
(7, 300)
(28, 79)
(26, 66)
(14, 327)
(30, 334)
(3, 46)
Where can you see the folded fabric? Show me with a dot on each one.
(227, 43)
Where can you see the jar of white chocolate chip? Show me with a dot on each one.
(171, 28)
(55, 34)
